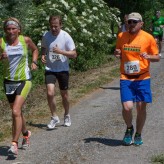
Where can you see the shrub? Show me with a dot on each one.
(87, 21)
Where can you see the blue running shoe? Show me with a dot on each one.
(127, 140)
(138, 140)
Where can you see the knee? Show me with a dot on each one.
(50, 94)
(64, 96)
(16, 112)
(127, 110)
(127, 106)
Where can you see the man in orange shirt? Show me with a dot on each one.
(136, 49)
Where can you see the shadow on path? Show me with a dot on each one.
(43, 126)
(113, 88)
(108, 142)
(4, 152)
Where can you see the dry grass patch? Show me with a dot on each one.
(36, 110)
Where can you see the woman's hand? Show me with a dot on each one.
(3, 56)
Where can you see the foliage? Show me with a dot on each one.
(83, 20)
(145, 7)
(158, 159)
(89, 27)
(15, 8)
(87, 21)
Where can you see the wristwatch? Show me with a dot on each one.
(35, 62)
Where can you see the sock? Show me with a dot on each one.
(14, 142)
(130, 127)
(26, 133)
(137, 134)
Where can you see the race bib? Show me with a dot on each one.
(132, 67)
(11, 88)
(54, 57)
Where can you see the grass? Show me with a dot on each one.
(36, 110)
(158, 159)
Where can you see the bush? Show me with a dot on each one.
(87, 21)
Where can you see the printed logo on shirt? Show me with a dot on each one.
(132, 48)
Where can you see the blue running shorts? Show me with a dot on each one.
(136, 91)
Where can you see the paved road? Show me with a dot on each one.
(95, 136)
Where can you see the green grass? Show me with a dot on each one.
(36, 110)
(158, 159)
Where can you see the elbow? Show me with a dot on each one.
(74, 55)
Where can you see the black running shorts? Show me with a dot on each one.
(62, 77)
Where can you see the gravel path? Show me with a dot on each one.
(95, 136)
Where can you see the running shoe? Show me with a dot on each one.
(127, 140)
(138, 140)
(54, 120)
(26, 140)
(67, 120)
(13, 149)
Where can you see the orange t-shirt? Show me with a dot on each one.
(131, 47)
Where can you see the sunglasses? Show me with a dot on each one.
(133, 21)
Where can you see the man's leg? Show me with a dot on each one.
(65, 101)
(127, 112)
(141, 116)
(52, 105)
(140, 121)
(51, 98)
(127, 116)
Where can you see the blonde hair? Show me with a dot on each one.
(11, 20)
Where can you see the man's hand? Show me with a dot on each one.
(145, 55)
(57, 50)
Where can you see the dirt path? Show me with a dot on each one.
(95, 136)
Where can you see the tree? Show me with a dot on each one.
(145, 7)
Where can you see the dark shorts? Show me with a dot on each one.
(14, 88)
(135, 91)
(159, 37)
(62, 77)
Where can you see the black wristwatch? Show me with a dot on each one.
(35, 63)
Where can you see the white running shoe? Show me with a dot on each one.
(67, 120)
(54, 120)
(13, 149)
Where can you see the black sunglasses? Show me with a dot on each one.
(133, 21)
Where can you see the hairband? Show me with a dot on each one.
(12, 23)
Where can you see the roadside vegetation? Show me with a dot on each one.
(158, 159)
(93, 26)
